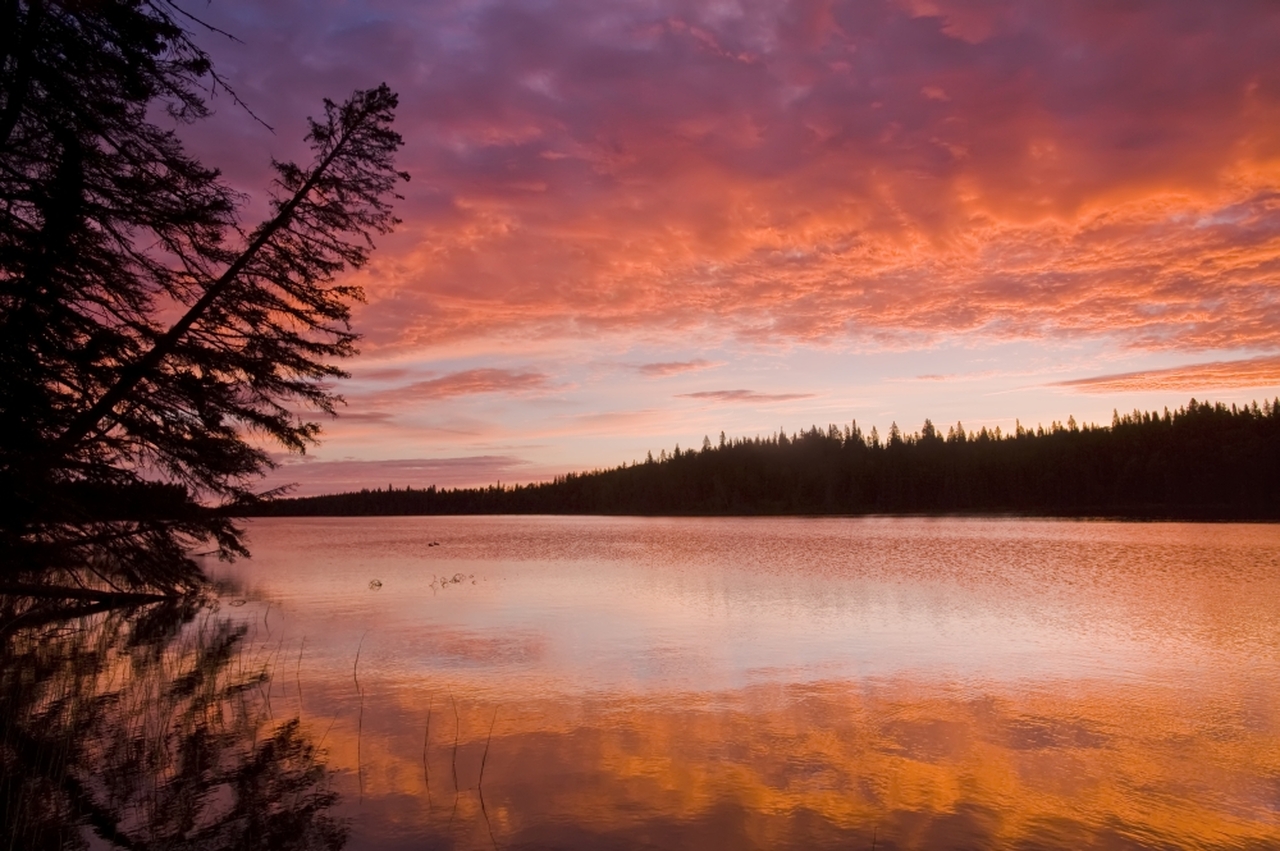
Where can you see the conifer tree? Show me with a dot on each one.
(121, 427)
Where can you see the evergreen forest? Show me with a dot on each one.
(1204, 461)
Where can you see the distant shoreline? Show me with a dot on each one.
(1202, 462)
(276, 509)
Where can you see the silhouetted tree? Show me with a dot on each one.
(118, 424)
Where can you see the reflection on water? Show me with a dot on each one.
(150, 729)
(697, 683)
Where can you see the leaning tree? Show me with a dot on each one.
(152, 348)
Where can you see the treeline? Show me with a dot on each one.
(1204, 461)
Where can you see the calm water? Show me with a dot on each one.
(703, 683)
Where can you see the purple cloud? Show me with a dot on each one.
(319, 477)
(743, 396)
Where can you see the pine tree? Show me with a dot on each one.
(122, 430)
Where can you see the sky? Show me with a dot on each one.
(633, 224)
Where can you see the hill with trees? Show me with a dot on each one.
(1203, 461)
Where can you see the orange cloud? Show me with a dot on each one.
(666, 368)
(1216, 375)
(892, 172)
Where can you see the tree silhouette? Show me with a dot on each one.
(1203, 461)
(122, 426)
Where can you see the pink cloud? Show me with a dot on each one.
(465, 383)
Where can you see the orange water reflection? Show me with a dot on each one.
(825, 764)
(1108, 686)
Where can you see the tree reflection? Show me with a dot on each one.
(150, 728)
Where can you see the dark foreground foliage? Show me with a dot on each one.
(150, 345)
(149, 728)
(1204, 461)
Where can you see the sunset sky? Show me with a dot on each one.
(631, 224)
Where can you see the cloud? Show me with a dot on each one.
(1216, 375)
(375, 417)
(666, 368)
(884, 171)
(743, 396)
(393, 373)
(319, 477)
(952, 376)
(465, 383)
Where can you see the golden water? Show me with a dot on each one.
(775, 683)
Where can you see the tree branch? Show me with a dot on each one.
(130, 377)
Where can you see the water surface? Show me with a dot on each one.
(555, 682)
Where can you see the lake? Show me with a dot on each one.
(590, 682)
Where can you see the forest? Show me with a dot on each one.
(1204, 461)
